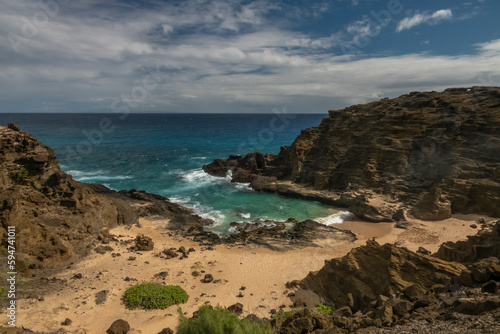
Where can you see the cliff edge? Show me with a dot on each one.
(57, 218)
(430, 153)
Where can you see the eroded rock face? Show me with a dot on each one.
(437, 152)
(485, 244)
(372, 270)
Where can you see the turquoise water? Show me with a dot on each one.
(164, 153)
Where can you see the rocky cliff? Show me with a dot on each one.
(432, 153)
(55, 216)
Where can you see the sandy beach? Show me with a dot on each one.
(255, 277)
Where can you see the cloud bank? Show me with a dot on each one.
(209, 56)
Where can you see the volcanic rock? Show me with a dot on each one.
(434, 152)
(375, 270)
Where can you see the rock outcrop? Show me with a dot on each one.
(435, 152)
(371, 271)
(376, 286)
(56, 217)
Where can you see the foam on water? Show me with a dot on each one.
(336, 218)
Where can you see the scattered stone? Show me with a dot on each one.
(273, 311)
(244, 288)
(77, 276)
(170, 253)
(67, 322)
(132, 258)
(240, 295)
(161, 275)
(190, 250)
(143, 243)
(120, 326)
(207, 279)
(195, 273)
(473, 225)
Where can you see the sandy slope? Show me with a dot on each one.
(262, 272)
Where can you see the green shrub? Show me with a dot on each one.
(22, 174)
(286, 314)
(324, 309)
(219, 321)
(154, 296)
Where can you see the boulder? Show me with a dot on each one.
(236, 308)
(207, 279)
(144, 243)
(119, 326)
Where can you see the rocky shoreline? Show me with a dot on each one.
(425, 157)
(430, 154)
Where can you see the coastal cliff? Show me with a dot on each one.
(57, 218)
(430, 154)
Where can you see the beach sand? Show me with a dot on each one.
(258, 273)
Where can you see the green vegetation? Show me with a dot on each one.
(219, 321)
(324, 309)
(286, 314)
(22, 173)
(154, 296)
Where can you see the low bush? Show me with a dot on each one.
(324, 309)
(219, 320)
(22, 173)
(154, 296)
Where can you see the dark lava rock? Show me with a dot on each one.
(67, 322)
(13, 126)
(207, 279)
(166, 331)
(490, 287)
(236, 308)
(144, 243)
(118, 327)
(170, 253)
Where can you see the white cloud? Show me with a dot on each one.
(417, 19)
(231, 62)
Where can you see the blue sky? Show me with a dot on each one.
(239, 56)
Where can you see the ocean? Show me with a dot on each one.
(164, 153)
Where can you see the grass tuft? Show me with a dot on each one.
(154, 296)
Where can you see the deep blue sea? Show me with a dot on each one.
(164, 153)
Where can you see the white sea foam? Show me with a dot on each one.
(101, 178)
(179, 200)
(198, 176)
(245, 215)
(336, 218)
(80, 173)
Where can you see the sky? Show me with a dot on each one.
(237, 56)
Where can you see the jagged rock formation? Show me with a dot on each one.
(485, 244)
(383, 286)
(435, 152)
(57, 217)
(373, 270)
